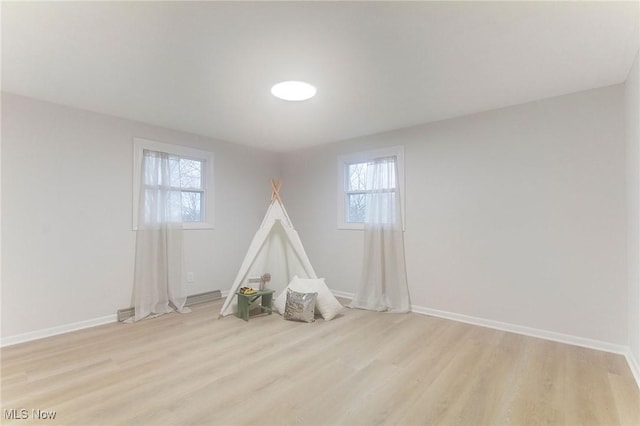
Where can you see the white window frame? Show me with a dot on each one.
(362, 157)
(139, 145)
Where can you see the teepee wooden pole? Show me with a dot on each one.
(275, 195)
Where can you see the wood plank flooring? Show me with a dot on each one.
(362, 368)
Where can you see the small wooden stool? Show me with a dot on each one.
(246, 300)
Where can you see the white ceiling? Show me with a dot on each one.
(207, 67)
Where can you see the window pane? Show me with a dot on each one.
(191, 206)
(388, 175)
(356, 208)
(158, 165)
(368, 189)
(357, 177)
(367, 176)
(175, 205)
(173, 208)
(382, 209)
(382, 174)
(160, 206)
(173, 172)
(150, 205)
(171, 184)
(363, 181)
(181, 172)
(190, 173)
(151, 167)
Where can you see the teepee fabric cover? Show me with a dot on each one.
(276, 249)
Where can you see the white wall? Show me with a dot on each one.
(632, 114)
(516, 215)
(68, 244)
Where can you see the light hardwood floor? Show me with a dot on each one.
(362, 368)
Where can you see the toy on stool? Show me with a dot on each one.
(264, 279)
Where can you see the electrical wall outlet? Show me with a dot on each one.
(191, 277)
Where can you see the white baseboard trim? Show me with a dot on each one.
(634, 366)
(61, 329)
(482, 322)
(526, 331)
(344, 294)
(541, 334)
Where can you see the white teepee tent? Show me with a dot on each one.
(275, 249)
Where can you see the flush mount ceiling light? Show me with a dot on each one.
(293, 91)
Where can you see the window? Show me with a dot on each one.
(354, 188)
(190, 183)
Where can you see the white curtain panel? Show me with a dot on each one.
(383, 285)
(159, 274)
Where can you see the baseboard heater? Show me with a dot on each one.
(194, 299)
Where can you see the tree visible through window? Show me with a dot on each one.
(358, 185)
(172, 183)
(186, 189)
(370, 177)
